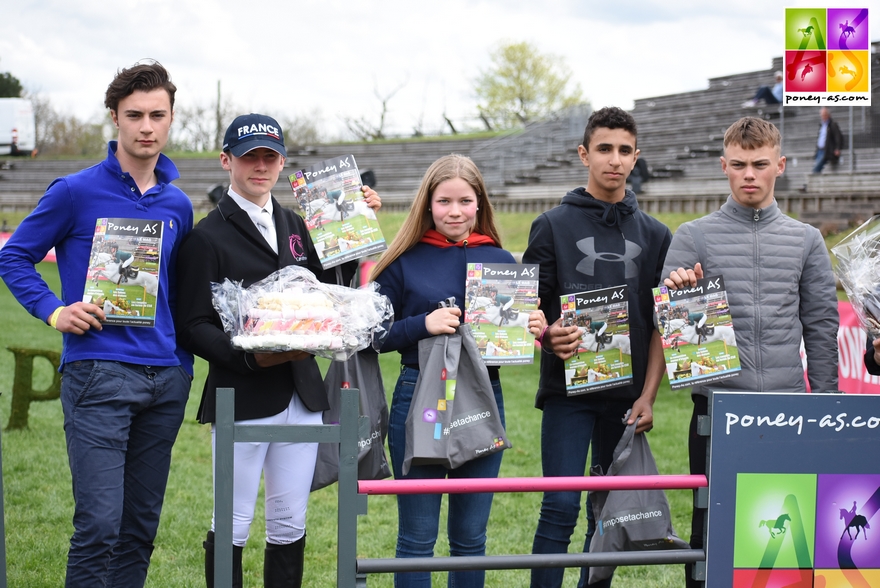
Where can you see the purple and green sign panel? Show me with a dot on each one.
(827, 57)
(794, 488)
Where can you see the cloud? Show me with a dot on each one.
(292, 57)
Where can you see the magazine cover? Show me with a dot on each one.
(698, 340)
(604, 357)
(123, 275)
(329, 198)
(500, 297)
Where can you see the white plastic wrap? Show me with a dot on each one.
(292, 310)
(856, 261)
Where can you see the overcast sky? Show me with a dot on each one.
(293, 57)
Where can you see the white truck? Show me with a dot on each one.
(18, 129)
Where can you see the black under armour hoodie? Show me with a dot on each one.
(586, 244)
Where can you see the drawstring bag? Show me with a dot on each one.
(361, 372)
(453, 417)
(630, 520)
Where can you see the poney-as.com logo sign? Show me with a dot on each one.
(827, 57)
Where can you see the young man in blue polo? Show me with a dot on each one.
(123, 389)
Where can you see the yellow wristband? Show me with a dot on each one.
(54, 318)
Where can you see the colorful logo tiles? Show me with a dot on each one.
(827, 57)
(806, 530)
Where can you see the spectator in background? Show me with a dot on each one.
(639, 175)
(767, 94)
(872, 356)
(829, 143)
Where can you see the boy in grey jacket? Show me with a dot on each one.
(778, 277)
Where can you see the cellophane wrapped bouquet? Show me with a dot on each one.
(292, 310)
(856, 261)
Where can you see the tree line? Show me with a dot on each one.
(521, 85)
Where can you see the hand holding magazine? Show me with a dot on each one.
(604, 355)
(699, 344)
(341, 225)
(123, 274)
(499, 299)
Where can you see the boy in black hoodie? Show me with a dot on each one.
(596, 238)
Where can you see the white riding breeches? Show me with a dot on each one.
(288, 469)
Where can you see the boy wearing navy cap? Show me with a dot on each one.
(246, 238)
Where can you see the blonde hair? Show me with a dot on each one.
(752, 133)
(419, 219)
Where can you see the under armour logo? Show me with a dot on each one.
(588, 247)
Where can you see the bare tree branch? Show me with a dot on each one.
(364, 129)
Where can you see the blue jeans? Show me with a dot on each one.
(120, 421)
(568, 426)
(820, 161)
(419, 514)
(766, 93)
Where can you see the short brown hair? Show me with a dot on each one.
(752, 133)
(141, 76)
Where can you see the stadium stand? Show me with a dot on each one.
(529, 170)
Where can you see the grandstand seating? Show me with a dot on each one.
(680, 137)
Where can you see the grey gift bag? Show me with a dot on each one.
(361, 372)
(631, 520)
(453, 417)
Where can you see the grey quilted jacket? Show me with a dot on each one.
(780, 288)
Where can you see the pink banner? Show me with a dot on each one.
(5, 237)
(851, 339)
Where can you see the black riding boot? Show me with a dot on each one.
(283, 565)
(209, 563)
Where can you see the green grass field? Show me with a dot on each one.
(39, 506)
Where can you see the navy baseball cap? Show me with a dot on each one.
(250, 131)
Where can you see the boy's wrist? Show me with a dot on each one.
(53, 318)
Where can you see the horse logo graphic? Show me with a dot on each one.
(851, 519)
(777, 526)
(296, 247)
(846, 29)
(807, 69)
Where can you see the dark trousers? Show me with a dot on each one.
(697, 447)
(569, 426)
(120, 421)
(766, 93)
